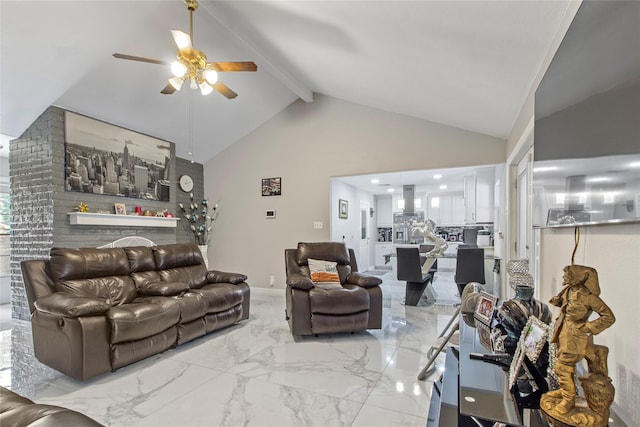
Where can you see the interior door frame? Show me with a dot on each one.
(522, 152)
(364, 244)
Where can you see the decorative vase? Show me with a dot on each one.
(203, 250)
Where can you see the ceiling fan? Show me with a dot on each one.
(192, 65)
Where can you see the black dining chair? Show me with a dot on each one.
(409, 269)
(469, 267)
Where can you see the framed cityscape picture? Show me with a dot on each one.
(102, 158)
(271, 186)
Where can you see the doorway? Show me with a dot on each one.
(523, 186)
(364, 261)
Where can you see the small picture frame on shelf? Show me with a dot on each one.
(486, 306)
(120, 209)
(533, 337)
(343, 209)
(484, 335)
(516, 364)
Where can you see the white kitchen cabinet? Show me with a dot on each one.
(382, 249)
(478, 196)
(457, 214)
(384, 211)
(470, 199)
(446, 209)
(485, 183)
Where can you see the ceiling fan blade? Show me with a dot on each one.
(182, 39)
(139, 58)
(168, 89)
(233, 66)
(224, 90)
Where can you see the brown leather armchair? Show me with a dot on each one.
(353, 305)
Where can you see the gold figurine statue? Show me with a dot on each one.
(573, 336)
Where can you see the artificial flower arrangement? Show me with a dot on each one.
(200, 219)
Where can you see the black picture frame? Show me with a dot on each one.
(105, 159)
(272, 186)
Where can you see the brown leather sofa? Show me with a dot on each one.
(312, 309)
(96, 310)
(18, 411)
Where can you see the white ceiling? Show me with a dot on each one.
(468, 64)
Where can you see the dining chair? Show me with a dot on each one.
(469, 267)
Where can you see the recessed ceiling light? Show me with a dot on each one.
(375, 181)
(545, 169)
(390, 190)
(598, 179)
(437, 176)
(443, 187)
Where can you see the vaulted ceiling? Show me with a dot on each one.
(467, 64)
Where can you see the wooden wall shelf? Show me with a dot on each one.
(88, 218)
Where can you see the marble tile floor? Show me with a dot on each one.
(257, 374)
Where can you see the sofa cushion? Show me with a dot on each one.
(215, 276)
(220, 296)
(140, 258)
(346, 300)
(323, 271)
(330, 251)
(192, 306)
(86, 263)
(69, 305)
(144, 278)
(195, 275)
(163, 288)
(144, 317)
(93, 273)
(363, 280)
(177, 255)
(114, 290)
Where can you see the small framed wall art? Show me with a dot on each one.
(272, 186)
(343, 209)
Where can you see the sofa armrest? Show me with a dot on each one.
(69, 305)
(363, 280)
(165, 289)
(299, 281)
(215, 276)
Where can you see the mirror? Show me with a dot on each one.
(587, 128)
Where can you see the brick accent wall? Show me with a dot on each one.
(31, 184)
(40, 203)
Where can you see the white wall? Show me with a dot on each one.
(614, 251)
(344, 230)
(306, 145)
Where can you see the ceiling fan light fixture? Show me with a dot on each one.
(211, 76)
(178, 69)
(182, 39)
(205, 88)
(176, 82)
(193, 84)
